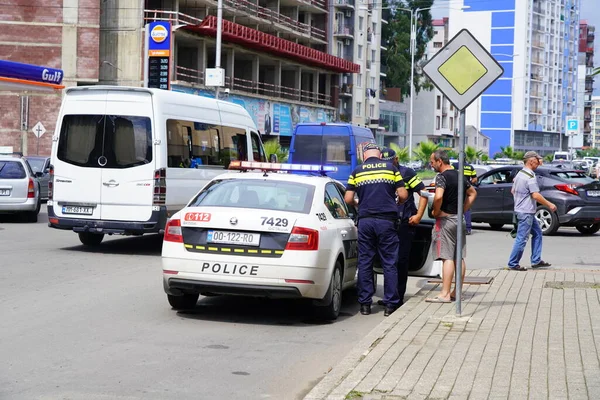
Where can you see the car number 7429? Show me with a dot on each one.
(282, 222)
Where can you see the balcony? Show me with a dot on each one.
(344, 31)
(589, 50)
(346, 89)
(587, 118)
(196, 78)
(344, 4)
(537, 77)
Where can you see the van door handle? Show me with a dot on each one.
(110, 183)
(344, 233)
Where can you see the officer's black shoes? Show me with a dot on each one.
(365, 309)
(389, 311)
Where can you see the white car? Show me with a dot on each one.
(268, 234)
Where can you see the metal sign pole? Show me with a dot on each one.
(461, 200)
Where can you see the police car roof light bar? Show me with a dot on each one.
(264, 166)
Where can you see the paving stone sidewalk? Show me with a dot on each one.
(527, 335)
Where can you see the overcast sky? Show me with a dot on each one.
(589, 12)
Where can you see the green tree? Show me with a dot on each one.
(549, 157)
(396, 37)
(485, 158)
(507, 151)
(518, 155)
(596, 71)
(401, 152)
(273, 147)
(472, 154)
(424, 150)
(452, 154)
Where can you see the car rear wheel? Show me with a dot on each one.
(589, 229)
(91, 239)
(332, 310)
(496, 227)
(32, 216)
(185, 302)
(547, 219)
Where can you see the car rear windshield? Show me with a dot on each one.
(321, 149)
(105, 141)
(573, 176)
(12, 170)
(260, 194)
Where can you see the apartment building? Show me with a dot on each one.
(595, 124)
(536, 43)
(587, 34)
(285, 61)
(50, 34)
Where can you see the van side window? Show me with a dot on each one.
(193, 144)
(105, 141)
(257, 150)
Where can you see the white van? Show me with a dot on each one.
(125, 159)
(561, 156)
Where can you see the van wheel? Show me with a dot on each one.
(185, 302)
(91, 239)
(332, 310)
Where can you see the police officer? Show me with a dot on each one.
(378, 183)
(470, 173)
(409, 217)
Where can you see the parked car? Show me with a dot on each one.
(19, 188)
(576, 196)
(41, 165)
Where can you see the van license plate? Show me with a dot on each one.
(225, 237)
(77, 210)
(4, 192)
(593, 193)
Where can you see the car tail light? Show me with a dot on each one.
(51, 182)
(563, 187)
(160, 187)
(303, 239)
(173, 231)
(31, 189)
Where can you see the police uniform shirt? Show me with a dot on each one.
(375, 182)
(468, 170)
(413, 185)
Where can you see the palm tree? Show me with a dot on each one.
(424, 150)
(596, 71)
(508, 151)
(518, 155)
(273, 147)
(472, 154)
(401, 153)
(549, 157)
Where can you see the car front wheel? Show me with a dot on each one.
(547, 219)
(589, 229)
(332, 310)
(185, 302)
(496, 227)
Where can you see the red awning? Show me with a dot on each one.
(262, 41)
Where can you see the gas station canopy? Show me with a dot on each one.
(19, 76)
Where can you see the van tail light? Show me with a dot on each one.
(173, 231)
(51, 182)
(31, 189)
(160, 187)
(303, 239)
(563, 187)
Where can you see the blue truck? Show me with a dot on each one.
(331, 144)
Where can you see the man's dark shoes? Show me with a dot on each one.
(380, 303)
(541, 264)
(517, 268)
(389, 311)
(365, 309)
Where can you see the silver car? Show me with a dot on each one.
(41, 164)
(19, 188)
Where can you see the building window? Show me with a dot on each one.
(340, 49)
(373, 55)
(358, 108)
(373, 82)
(372, 110)
(437, 45)
(359, 80)
(439, 102)
(360, 52)
(361, 22)
(437, 123)
(451, 124)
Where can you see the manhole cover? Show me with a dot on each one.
(571, 285)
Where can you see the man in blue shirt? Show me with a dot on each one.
(378, 184)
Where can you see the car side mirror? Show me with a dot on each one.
(38, 174)
(273, 158)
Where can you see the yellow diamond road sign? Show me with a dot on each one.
(463, 69)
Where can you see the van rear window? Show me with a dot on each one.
(12, 170)
(105, 141)
(317, 149)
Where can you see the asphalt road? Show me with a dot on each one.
(81, 324)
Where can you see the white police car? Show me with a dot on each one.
(266, 234)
